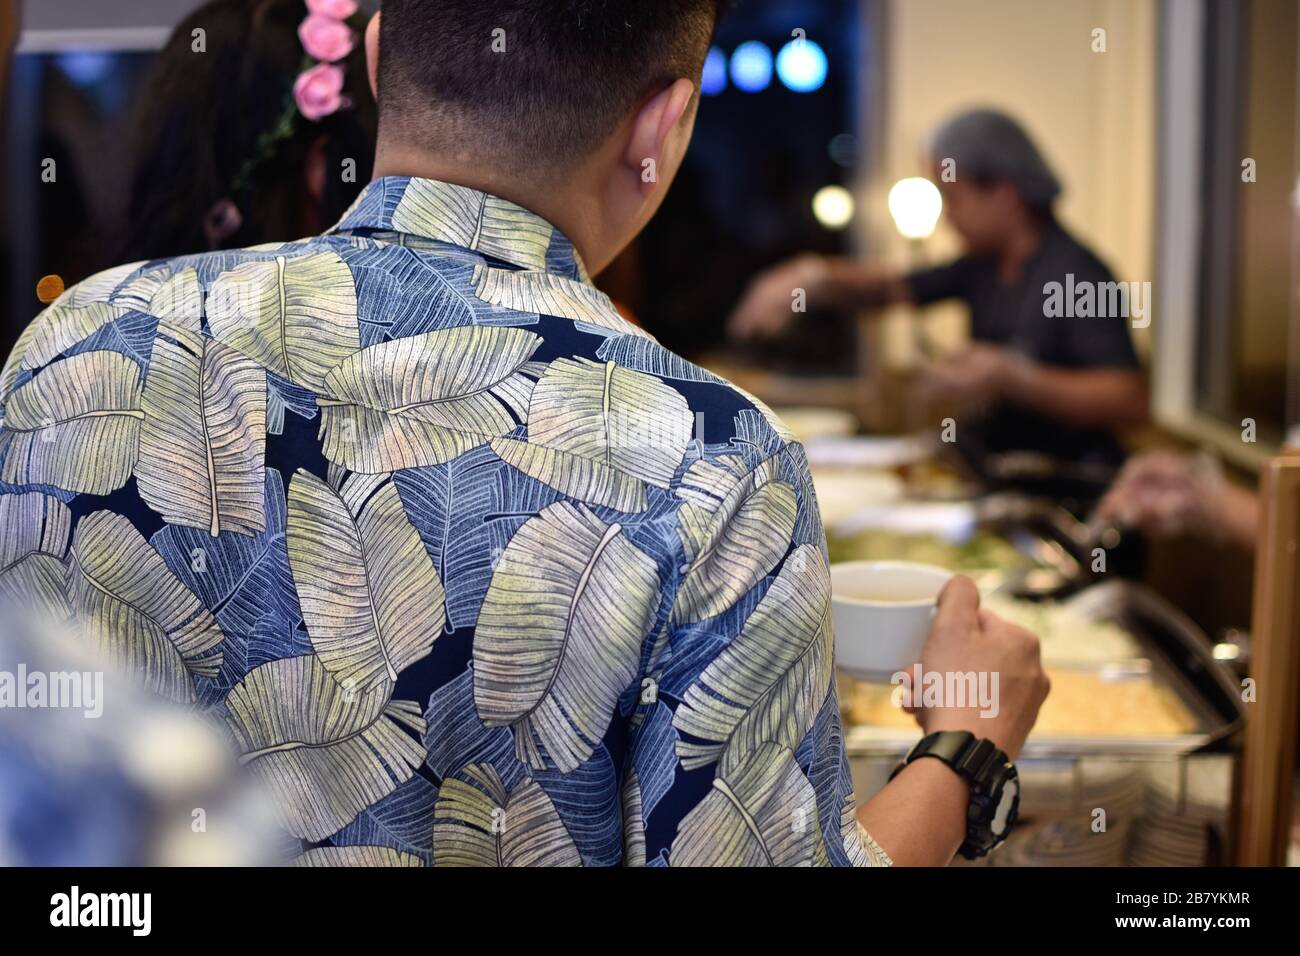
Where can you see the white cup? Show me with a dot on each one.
(882, 612)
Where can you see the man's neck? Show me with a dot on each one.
(571, 211)
(1022, 242)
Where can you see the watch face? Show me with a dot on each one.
(1006, 803)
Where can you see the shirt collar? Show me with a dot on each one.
(445, 212)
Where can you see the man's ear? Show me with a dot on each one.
(655, 130)
(372, 54)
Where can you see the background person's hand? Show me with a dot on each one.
(768, 306)
(1164, 493)
(976, 373)
(964, 638)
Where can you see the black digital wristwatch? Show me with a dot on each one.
(994, 785)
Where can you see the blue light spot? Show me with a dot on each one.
(751, 67)
(85, 68)
(714, 80)
(801, 65)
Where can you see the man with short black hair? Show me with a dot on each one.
(474, 571)
(583, 67)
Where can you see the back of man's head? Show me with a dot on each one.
(530, 85)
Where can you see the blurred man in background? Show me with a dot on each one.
(1057, 384)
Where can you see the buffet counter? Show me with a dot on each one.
(1134, 756)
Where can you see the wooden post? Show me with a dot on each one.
(1268, 763)
(8, 37)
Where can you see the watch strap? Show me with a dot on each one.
(974, 760)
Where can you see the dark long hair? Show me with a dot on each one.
(200, 121)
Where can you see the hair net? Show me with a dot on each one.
(989, 145)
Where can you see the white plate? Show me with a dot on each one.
(954, 521)
(811, 424)
(867, 451)
(841, 494)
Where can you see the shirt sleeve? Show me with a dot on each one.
(1098, 343)
(745, 714)
(1100, 340)
(948, 281)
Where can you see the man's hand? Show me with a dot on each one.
(768, 306)
(966, 638)
(1164, 494)
(920, 816)
(975, 374)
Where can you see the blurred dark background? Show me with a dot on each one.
(764, 145)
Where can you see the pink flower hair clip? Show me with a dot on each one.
(318, 91)
(327, 40)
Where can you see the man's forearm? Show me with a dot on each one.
(845, 284)
(919, 818)
(1097, 398)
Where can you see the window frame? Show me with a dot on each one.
(1181, 215)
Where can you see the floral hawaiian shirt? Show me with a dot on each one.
(470, 569)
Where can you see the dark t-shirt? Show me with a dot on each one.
(1012, 315)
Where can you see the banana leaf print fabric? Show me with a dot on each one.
(470, 570)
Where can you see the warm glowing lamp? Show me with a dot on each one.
(915, 204)
(833, 206)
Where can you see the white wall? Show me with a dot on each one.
(93, 24)
(120, 24)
